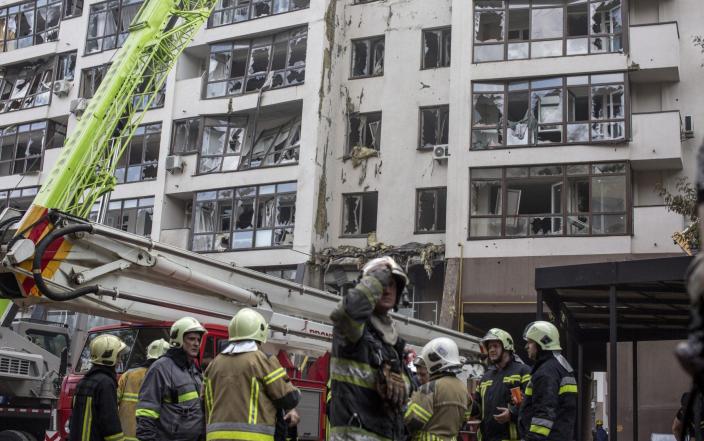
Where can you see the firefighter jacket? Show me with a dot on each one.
(243, 392)
(169, 406)
(436, 411)
(94, 416)
(362, 343)
(127, 397)
(494, 391)
(549, 409)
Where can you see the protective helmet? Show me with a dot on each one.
(440, 354)
(545, 334)
(599, 423)
(248, 324)
(182, 327)
(105, 348)
(419, 362)
(496, 334)
(396, 271)
(157, 348)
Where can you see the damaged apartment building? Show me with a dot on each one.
(472, 140)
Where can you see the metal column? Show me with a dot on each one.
(582, 387)
(539, 305)
(635, 389)
(613, 377)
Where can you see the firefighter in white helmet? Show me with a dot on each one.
(169, 405)
(245, 390)
(94, 416)
(549, 410)
(128, 388)
(436, 411)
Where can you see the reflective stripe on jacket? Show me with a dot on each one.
(549, 409)
(127, 398)
(94, 415)
(436, 411)
(242, 394)
(169, 405)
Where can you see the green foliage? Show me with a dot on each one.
(683, 202)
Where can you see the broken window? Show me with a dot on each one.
(368, 57)
(244, 218)
(364, 130)
(359, 213)
(286, 273)
(552, 200)
(28, 24)
(131, 215)
(18, 198)
(73, 8)
(557, 110)
(184, 137)
(520, 29)
(248, 65)
(431, 208)
(221, 144)
(361, 2)
(436, 48)
(139, 160)
(93, 76)
(275, 146)
(66, 66)
(233, 11)
(29, 85)
(108, 24)
(434, 122)
(22, 146)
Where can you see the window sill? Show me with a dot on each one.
(204, 98)
(622, 142)
(434, 68)
(548, 58)
(251, 19)
(362, 77)
(590, 236)
(245, 170)
(429, 232)
(355, 236)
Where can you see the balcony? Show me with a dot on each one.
(655, 52)
(657, 143)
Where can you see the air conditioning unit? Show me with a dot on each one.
(174, 164)
(78, 106)
(62, 87)
(688, 127)
(441, 152)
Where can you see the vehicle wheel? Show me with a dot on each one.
(16, 435)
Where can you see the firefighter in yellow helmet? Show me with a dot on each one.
(436, 411)
(245, 389)
(549, 409)
(128, 388)
(94, 416)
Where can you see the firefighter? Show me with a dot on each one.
(492, 404)
(94, 416)
(128, 388)
(244, 388)
(370, 382)
(436, 411)
(549, 409)
(421, 370)
(169, 405)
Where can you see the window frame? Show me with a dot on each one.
(137, 95)
(437, 191)
(7, 196)
(370, 40)
(122, 209)
(77, 8)
(565, 214)
(422, 109)
(250, 9)
(564, 123)
(230, 126)
(440, 30)
(589, 36)
(253, 229)
(128, 150)
(349, 146)
(48, 134)
(39, 68)
(196, 150)
(19, 9)
(360, 221)
(118, 25)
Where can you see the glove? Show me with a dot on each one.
(382, 273)
(391, 387)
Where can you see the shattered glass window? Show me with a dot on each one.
(234, 11)
(108, 24)
(364, 131)
(139, 160)
(131, 215)
(73, 8)
(28, 24)
(368, 57)
(93, 76)
(221, 144)
(579, 109)
(521, 29)
(275, 146)
(29, 85)
(431, 209)
(436, 48)
(263, 63)
(22, 146)
(549, 200)
(359, 212)
(18, 198)
(184, 136)
(434, 126)
(244, 218)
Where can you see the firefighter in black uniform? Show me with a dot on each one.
(549, 409)
(94, 416)
(493, 404)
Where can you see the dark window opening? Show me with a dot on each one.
(368, 57)
(364, 130)
(436, 48)
(184, 137)
(22, 146)
(130, 215)
(434, 126)
(140, 158)
(359, 213)
(431, 208)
